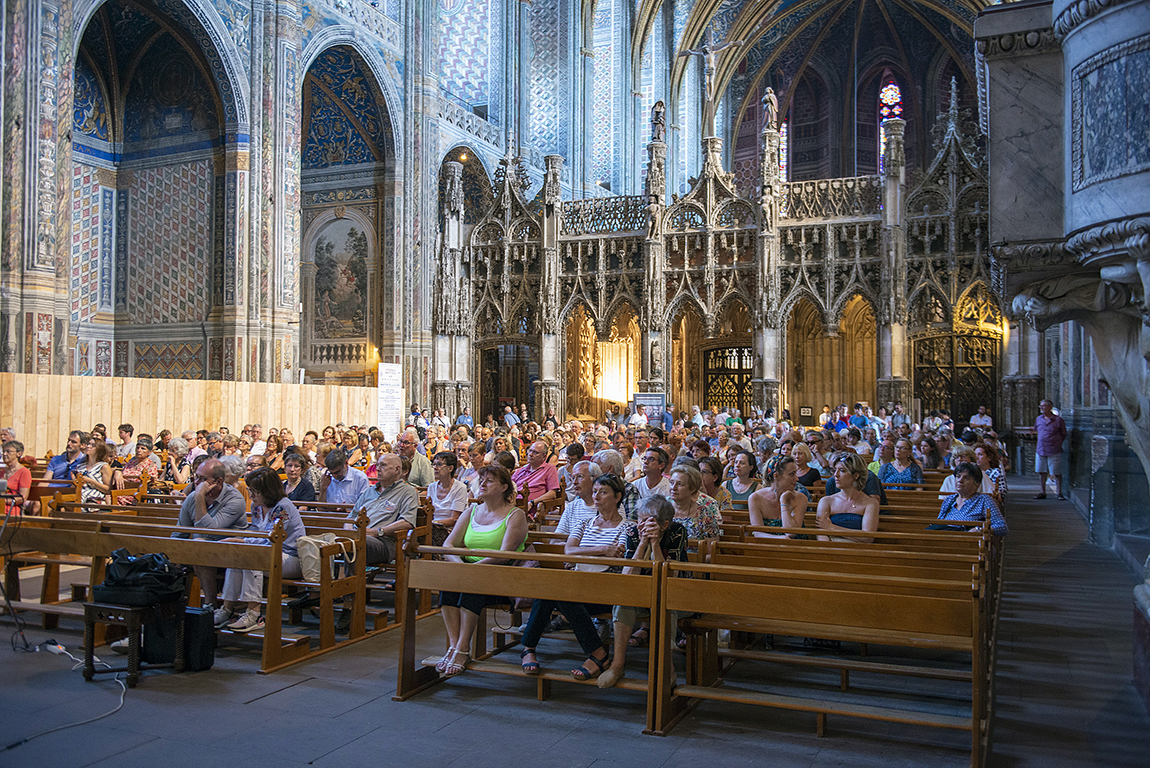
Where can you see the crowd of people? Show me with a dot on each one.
(630, 486)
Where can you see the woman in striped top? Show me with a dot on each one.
(602, 535)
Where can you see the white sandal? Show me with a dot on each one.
(445, 660)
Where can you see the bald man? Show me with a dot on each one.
(539, 477)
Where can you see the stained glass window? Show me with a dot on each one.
(889, 107)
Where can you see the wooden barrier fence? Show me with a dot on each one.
(43, 408)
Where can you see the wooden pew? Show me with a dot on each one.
(857, 606)
(88, 537)
(549, 582)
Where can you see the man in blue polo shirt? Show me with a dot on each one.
(61, 466)
(859, 419)
(465, 419)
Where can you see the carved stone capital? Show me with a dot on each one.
(1015, 44)
(1080, 12)
(1131, 236)
(1014, 266)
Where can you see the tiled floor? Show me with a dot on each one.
(1064, 698)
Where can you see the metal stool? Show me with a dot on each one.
(133, 618)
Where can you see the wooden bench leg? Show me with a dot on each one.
(844, 679)
(542, 689)
(50, 594)
(820, 724)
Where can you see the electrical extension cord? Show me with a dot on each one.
(56, 649)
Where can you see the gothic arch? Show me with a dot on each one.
(354, 38)
(839, 309)
(200, 19)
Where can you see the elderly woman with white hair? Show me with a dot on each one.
(611, 462)
(583, 476)
(178, 468)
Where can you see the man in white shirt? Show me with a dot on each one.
(639, 418)
(259, 447)
(652, 482)
(982, 419)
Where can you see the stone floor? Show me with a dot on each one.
(1064, 698)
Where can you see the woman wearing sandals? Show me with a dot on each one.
(602, 535)
(493, 524)
(655, 537)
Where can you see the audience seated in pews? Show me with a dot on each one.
(698, 513)
(969, 505)
(603, 535)
(655, 537)
(746, 471)
(213, 505)
(448, 496)
(711, 471)
(537, 478)
(244, 587)
(492, 524)
(962, 454)
(17, 479)
(297, 486)
(849, 508)
(96, 473)
(582, 505)
(341, 484)
(391, 506)
(903, 470)
(782, 503)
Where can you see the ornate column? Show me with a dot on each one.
(445, 316)
(894, 353)
(655, 349)
(280, 330)
(37, 172)
(549, 391)
(770, 328)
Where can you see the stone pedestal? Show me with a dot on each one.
(548, 394)
(651, 385)
(891, 391)
(765, 394)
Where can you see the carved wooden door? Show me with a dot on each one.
(727, 374)
(958, 372)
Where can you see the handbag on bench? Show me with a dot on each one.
(308, 547)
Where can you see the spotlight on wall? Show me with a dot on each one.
(463, 158)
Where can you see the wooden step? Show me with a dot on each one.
(58, 609)
(822, 706)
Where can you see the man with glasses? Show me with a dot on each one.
(408, 447)
(341, 484)
(652, 482)
(538, 477)
(213, 506)
(819, 460)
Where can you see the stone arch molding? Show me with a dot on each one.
(352, 37)
(222, 54)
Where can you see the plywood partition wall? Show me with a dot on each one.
(43, 409)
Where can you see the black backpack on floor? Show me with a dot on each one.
(199, 640)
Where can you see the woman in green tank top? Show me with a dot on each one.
(494, 524)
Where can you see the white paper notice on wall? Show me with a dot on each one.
(389, 416)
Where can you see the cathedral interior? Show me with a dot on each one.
(771, 205)
(938, 203)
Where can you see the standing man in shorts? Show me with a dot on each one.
(1051, 431)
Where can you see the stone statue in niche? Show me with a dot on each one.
(454, 196)
(771, 109)
(656, 360)
(654, 216)
(659, 122)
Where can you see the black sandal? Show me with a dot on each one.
(582, 673)
(529, 667)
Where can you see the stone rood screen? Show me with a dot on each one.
(733, 268)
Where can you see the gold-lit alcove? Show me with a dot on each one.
(601, 374)
(830, 368)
